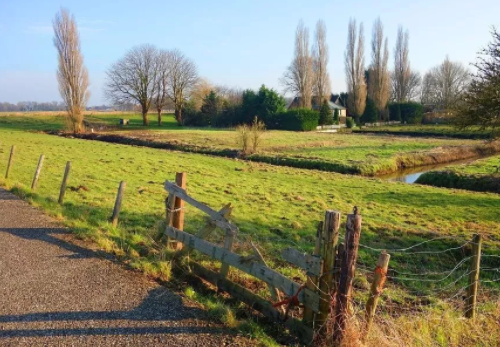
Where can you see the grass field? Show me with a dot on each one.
(345, 153)
(481, 175)
(277, 207)
(430, 130)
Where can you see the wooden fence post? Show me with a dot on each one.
(228, 244)
(353, 232)
(326, 285)
(118, 203)
(37, 172)
(338, 263)
(64, 183)
(178, 215)
(379, 277)
(11, 158)
(470, 307)
(312, 280)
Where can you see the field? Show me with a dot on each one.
(363, 154)
(430, 130)
(277, 207)
(480, 175)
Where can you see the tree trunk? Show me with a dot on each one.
(159, 117)
(178, 114)
(145, 120)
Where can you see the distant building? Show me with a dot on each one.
(295, 102)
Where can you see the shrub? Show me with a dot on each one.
(256, 132)
(299, 119)
(243, 137)
(349, 122)
(411, 112)
(395, 112)
(325, 114)
(336, 116)
(370, 114)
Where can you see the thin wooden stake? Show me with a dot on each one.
(118, 203)
(228, 244)
(470, 307)
(37, 172)
(353, 232)
(275, 294)
(326, 285)
(312, 280)
(376, 289)
(64, 183)
(11, 158)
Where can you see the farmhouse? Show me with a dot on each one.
(334, 105)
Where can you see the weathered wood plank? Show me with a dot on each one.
(275, 295)
(219, 220)
(305, 334)
(308, 262)
(280, 282)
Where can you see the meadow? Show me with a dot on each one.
(276, 207)
(363, 154)
(426, 130)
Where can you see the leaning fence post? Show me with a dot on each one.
(228, 244)
(312, 280)
(376, 289)
(326, 285)
(11, 158)
(353, 232)
(178, 214)
(118, 203)
(64, 182)
(470, 307)
(37, 172)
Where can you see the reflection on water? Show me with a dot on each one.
(410, 175)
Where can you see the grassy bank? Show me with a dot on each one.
(428, 131)
(481, 176)
(277, 207)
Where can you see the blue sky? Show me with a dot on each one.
(236, 43)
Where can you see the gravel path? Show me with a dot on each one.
(56, 292)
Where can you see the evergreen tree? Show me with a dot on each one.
(370, 114)
(325, 114)
(336, 116)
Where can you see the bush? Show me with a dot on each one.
(325, 114)
(349, 122)
(411, 112)
(395, 112)
(336, 116)
(370, 114)
(299, 119)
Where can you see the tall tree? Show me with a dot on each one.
(482, 98)
(134, 79)
(163, 68)
(444, 84)
(298, 77)
(355, 70)
(379, 82)
(182, 78)
(72, 75)
(320, 64)
(405, 82)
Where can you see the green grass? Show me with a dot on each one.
(430, 130)
(277, 207)
(486, 166)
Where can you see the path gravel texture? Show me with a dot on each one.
(54, 291)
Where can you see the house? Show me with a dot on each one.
(295, 102)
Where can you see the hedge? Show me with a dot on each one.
(410, 112)
(299, 119)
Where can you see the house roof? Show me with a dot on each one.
(296, 101)
(334, 106)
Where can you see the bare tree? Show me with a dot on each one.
(199, 91)
(298, 77)
(163, 72)
(72, 74)
(134, 79)
(320, 63)
(405, 82)
(183, 77)
(443, 85)
(379, 86)
(355, 69)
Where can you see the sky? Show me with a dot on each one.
(236, 43)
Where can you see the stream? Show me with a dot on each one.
(410, 175)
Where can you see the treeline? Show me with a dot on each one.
(30, 106)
